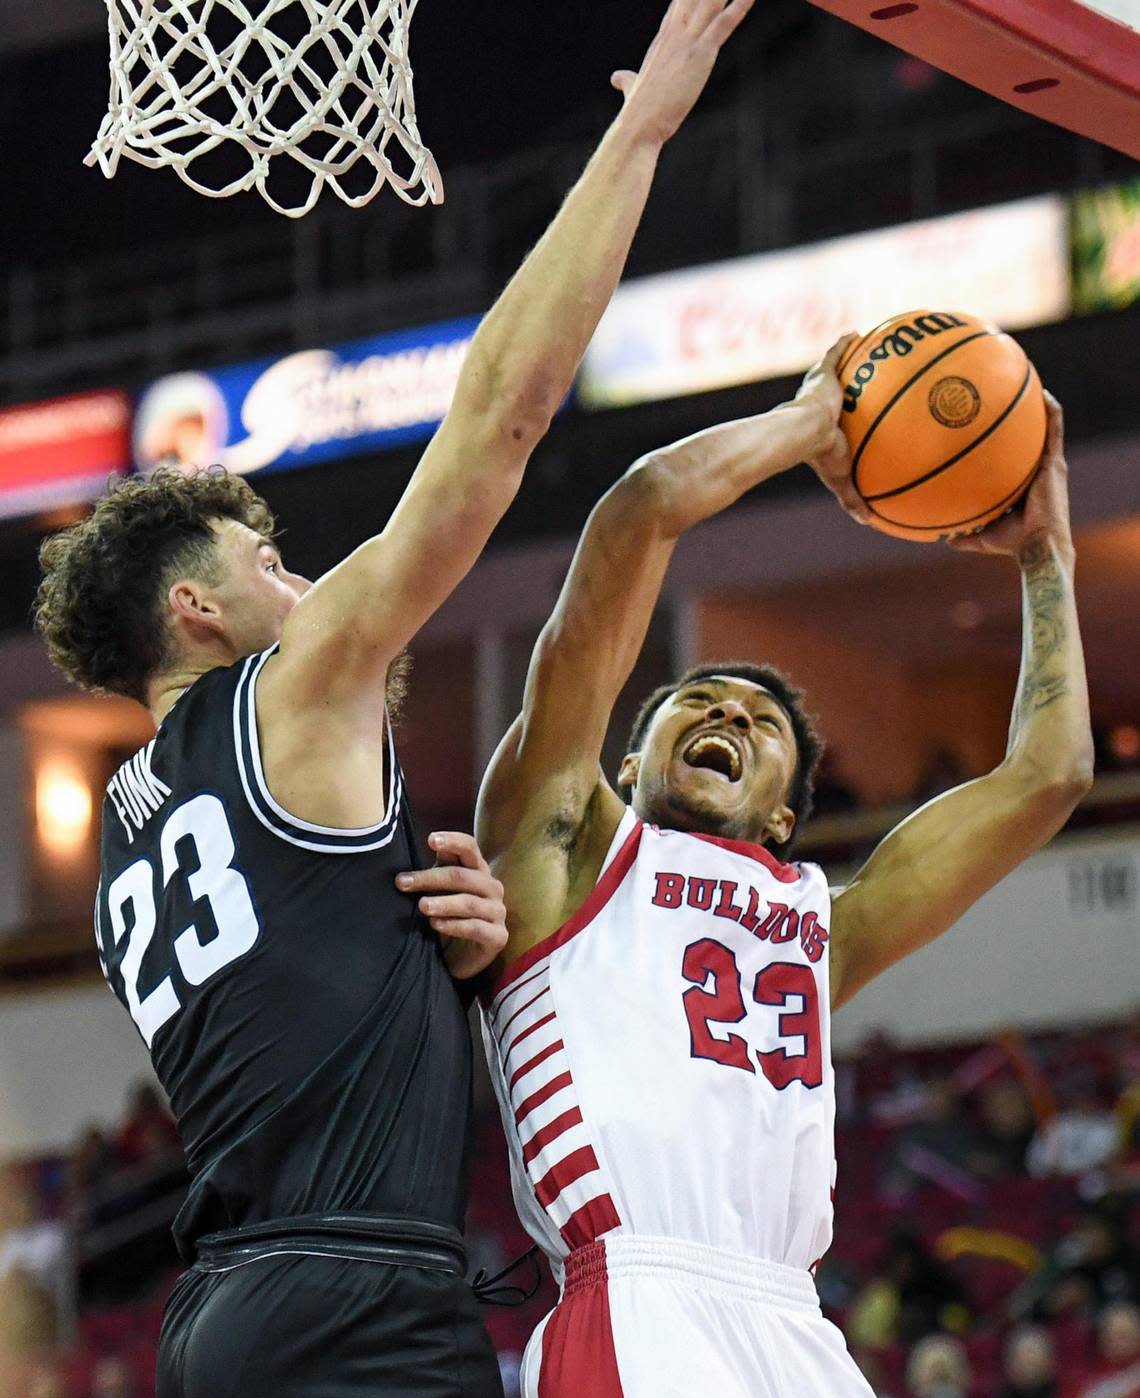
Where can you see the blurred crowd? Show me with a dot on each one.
(82, 1234)
(987, 1216)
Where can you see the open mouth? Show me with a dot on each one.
(713, 753)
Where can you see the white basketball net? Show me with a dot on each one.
(322, 83)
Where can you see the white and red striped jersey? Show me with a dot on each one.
(663, 1060)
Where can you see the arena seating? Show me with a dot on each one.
(870, 1209)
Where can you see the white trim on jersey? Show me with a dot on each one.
(323, 839)
(99, 930)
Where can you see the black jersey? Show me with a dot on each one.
(296, 1005)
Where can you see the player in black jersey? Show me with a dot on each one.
(298, 1006)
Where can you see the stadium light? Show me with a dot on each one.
(63, 808)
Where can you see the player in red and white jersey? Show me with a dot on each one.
(658, 1031)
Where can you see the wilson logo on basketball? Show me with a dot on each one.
(954, 402)
(899, 343)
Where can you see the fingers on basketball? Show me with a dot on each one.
(838, 349)
(1054, 428)
(834, 470)
(971, 543)
(849, 498)
(945, 419)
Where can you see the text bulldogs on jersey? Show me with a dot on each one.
(776, 922)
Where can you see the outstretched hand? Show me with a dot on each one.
(463, 901)
(1044, 515)
(677, 64)
(831, 460)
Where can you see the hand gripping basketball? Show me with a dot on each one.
(945, 418)
(831, 461)
(1045, 513)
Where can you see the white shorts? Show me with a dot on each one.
(659, 1318)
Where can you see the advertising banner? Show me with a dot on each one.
(312, 406)
(1106, 248)
(62, 451)
(761, 317)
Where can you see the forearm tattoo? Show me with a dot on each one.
(1044, 677)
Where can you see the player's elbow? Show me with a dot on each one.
(524, 415)
(508, 404)
(1071, 786)
(648, 496)
(1059, 784)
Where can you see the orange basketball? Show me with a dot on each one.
(946, 421)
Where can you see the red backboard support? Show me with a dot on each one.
(1058, 59)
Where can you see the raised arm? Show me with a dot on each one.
(940, 860)
(546, 812)
(343, 635)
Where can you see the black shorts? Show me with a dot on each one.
(324, 1327)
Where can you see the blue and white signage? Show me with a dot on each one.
(311, 406)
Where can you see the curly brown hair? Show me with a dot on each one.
(101, 603)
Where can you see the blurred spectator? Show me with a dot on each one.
(881, 1075)
(112, 1378)
(938, 1368)
(148, 1134)
(912, 1295)
(29, 1242)
(871, 1369)
(1006, 1128)
(28, 1318)
(47, 1382)
(90, 1166)
(1099, 1252)
(1093, 1264)
(1118, 1344)
(939, 1145)
(1029, 1368)
(1082, 1136)
(123, 1216)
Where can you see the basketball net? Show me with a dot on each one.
(218, 89)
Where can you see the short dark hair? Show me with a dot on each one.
(809, 745)
(101, 602)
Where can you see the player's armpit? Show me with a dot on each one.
(545, 840)
(938, 862)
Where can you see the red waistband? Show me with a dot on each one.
(585, 1267)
